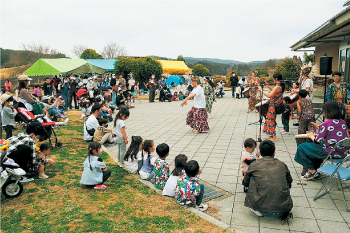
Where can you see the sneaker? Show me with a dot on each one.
(26, 179)
(256, 212)
(100, 186)
(43, 176)
(284, 132)
(309, 176)
(296, 124)
(245, 189)
(202, 207)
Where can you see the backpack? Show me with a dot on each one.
(308, 111)
(37, 109)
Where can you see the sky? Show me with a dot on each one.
(240, 30)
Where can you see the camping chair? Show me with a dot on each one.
(338, 169)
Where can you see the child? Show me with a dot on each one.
(86, 110)
(133, 157)
(106, 111)
(238, 91)
(295, 89)
(306, 113)
(45, 150)
(175, 96)
(181, 96)
(102, 134)
(189, 190)
(8, 114)
(161, 167)
(95, 171)
(121, 134)
(286, 115)
(248, 156)
(170, 186)
(148, 163)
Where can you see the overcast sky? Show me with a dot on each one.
(240, 30)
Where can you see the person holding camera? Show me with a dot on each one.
(91, 124)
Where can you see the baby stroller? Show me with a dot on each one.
(166, 94)
(11, 175)
(82, 93)
(26, 116)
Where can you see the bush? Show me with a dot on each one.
(289, 68)
(200, 70)
(90, 54)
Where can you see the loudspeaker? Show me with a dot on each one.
(326, 65)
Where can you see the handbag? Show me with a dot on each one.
(91, 132)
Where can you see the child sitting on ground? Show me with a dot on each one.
(189, 191)
(161, 167)
(43, 160)
(133, 157)
(181, 96)
(286, 115)
(8, 114)
(179, 170)
(248, 156)
(306, 113)
(86, 110)
(95, 170)
(102, 134)
(175, 96)
(148, 162)
(106, 111)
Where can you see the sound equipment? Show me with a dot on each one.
(302, 138)
(264, 107)
(326, 65)
(246, 93)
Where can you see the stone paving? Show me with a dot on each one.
(218, 153)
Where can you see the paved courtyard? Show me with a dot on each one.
(218, 153)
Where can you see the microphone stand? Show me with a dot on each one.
(260, 116)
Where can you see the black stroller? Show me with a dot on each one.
(165, 94)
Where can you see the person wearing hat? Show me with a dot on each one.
(8, 114)
(197, 117)
(152, 84)
(24, 96)
(306, 82)
(338, 91)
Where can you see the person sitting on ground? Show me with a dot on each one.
(181, 96)
(181, 88)
(37, 92)
(22, 148)
(91, 123)
(106, 111)
(189, 190)
(248, 156)
(306, 113)
(161, 167)
(103, 134)
(120, 100)
(175, 96)
(148, 161)
(133, 156)
(179, 170)
(52, 106)
(95, 170)
(269, 183)
(8, 114)
(43, 160)
(85, 110)
(311, 155)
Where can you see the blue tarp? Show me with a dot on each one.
(107, 64)
(174, 78)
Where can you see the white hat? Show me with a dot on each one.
(4, 98)
(23, 77)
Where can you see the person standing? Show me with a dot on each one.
(64, 91)
(73, 93)
(162, 84)
(306, 82)
(234, 83)
(275, 96)
(209, 91)
(48, 87)
(338, 91)
(242, 83)
(55, 82)
(152, 84)
(197, 117)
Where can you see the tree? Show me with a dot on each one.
(90, 54)
(289, 68)
(200, 70)
(124, 66)
(270, 64)
(180, 58)
(262, 72)
(308, 58)
(113, 50)
(40, 50)
(78, 50)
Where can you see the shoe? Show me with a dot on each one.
(284, 132)
(120, 165)
(286, 216)
(255, 110)
(43, 176)
(202, 207)
(65, 122)
(296, 124)
(248, 111)
(256, 212)
(245, 189)
(111, 144)
(100, 186)
(26, 179)
(309, 176)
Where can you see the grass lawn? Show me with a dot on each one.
(61, 204)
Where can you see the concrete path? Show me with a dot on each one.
(218, 153)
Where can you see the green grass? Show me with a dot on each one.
(62, 204)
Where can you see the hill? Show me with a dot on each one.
(193, 60)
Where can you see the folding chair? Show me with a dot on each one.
(336, 169)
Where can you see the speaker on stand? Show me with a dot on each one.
(325, 69)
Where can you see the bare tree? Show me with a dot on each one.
(113, 50)
(78, 50)
(42, 51)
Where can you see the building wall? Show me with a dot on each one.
(332, 50)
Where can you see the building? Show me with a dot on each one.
(331, 39)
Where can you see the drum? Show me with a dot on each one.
(264, 108)
(302, 138)
(246, 93)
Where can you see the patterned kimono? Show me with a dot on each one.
(161, 173)
(306, 118)
(253, 91)
(270, 122)
(187, 189)
(209, 91)
(338, 94)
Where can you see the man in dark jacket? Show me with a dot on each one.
(269, 183)
(233, 82)
(48, 87)
(73, 86)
